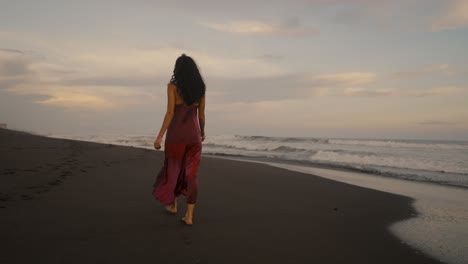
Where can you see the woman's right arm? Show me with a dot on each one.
(169, 114)
(201, 117)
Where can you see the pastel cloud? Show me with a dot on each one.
(404, 14)
(12, 64)
(101, 81)
(11, 51)
(76, 100)
(24, 75)
(408, 92)
(440, 68)
(291, 28)
(341, 84)
(81, 97)
(160, 62)
(436, 123)
(455, 16)
(342, 78)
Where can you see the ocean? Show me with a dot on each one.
(433, 161)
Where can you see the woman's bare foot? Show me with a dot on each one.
(172, 208)
(187, 220)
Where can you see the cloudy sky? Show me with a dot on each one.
(319, 68)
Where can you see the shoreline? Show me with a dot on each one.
(437, 205)
(286, 163)
(91, 202)
(415, 175)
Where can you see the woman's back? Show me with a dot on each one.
(184, 127)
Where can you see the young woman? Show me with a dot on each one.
(185, 125)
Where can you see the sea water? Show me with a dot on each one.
(439, 162)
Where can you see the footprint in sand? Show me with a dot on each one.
(26, 197)
(5, 198)
(187, 240)
(9, 172)
(56, 182)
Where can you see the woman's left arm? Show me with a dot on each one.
(171, 89)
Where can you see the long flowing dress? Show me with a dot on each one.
(182, 150)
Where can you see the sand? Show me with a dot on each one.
(65, 201)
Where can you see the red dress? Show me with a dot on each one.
(182, 150)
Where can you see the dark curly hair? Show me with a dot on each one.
(188, 80)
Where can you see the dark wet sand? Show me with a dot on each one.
(64, 201)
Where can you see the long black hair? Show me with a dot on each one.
(188, 80)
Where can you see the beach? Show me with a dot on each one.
(69, 201)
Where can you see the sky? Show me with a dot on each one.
(317, 68)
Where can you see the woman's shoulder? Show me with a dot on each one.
(172, 87)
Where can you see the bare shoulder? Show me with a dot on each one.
(171, 86)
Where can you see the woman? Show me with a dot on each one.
(185, 132)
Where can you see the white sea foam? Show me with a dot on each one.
(402, 162)
(422, 144)
(442, 162)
